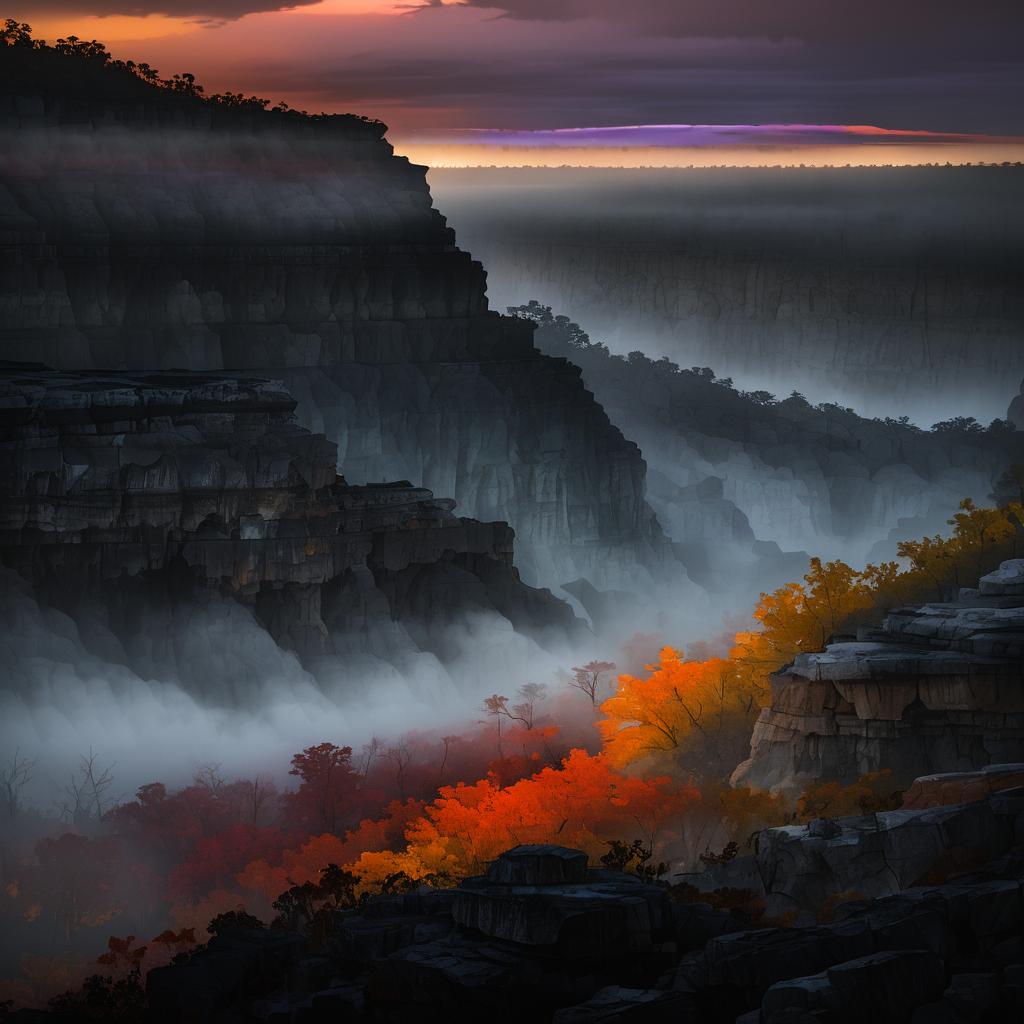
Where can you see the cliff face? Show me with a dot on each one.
(731, 473)
(185, 236)
(154, 510)
(896, 290)
(940, 687)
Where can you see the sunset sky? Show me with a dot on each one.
(434, 69)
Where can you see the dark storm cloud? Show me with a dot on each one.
(845, 20)
(745, 83)
(206, 10)
(870, 34)
(947, 65)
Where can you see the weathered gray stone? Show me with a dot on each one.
(880, 854)
(940, 686)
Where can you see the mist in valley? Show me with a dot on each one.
(897, 291)
(654, 503)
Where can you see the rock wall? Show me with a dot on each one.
(134, 501)
(937, 688)
(728, 469)
(159, 235)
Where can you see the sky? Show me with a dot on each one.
(434, 69)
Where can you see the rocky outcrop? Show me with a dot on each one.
(581, 952)
(802, 867)
(149, 232)
(926, 908)
(131, 500)
(511, 950)
(962, 787)
(940, 687)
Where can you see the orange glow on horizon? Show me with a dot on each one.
(113, 29)
(863, 155)
(117, 28)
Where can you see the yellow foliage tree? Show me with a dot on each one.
(981, 538)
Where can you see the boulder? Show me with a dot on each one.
(591, 919)
(539, 865)
(885, 987)
(880, 854)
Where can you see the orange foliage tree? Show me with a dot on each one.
(583, 804)
(697, 715)
(683, 707)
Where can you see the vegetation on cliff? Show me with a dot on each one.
(650, 773)
(87, 70)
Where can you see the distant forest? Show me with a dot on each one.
(715, 398)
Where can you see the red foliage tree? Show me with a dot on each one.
(326, 798)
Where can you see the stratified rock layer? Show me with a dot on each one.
(129, 496)
(940, 687)
(154, 233)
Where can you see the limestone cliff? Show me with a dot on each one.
(938, 688)
(152, 510)
(151, 232)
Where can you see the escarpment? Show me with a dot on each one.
(150, 516)
(147, 233)
(735, 475)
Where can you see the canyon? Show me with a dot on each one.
(147, 232)
(896, 290)
(748, 485)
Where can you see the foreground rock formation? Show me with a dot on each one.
(134, 502)
(937, 688)
(543, 938)
(151, 231)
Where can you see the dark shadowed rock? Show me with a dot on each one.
(885, 987)
(644, 1006)
(539, 865)
(229, 973)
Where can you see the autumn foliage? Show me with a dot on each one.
(650, 783)
(694, 716)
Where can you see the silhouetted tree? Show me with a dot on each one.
(15, 775)
(588, 678)
(323, 802)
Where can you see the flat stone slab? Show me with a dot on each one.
(539, 864)
(962, 787)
